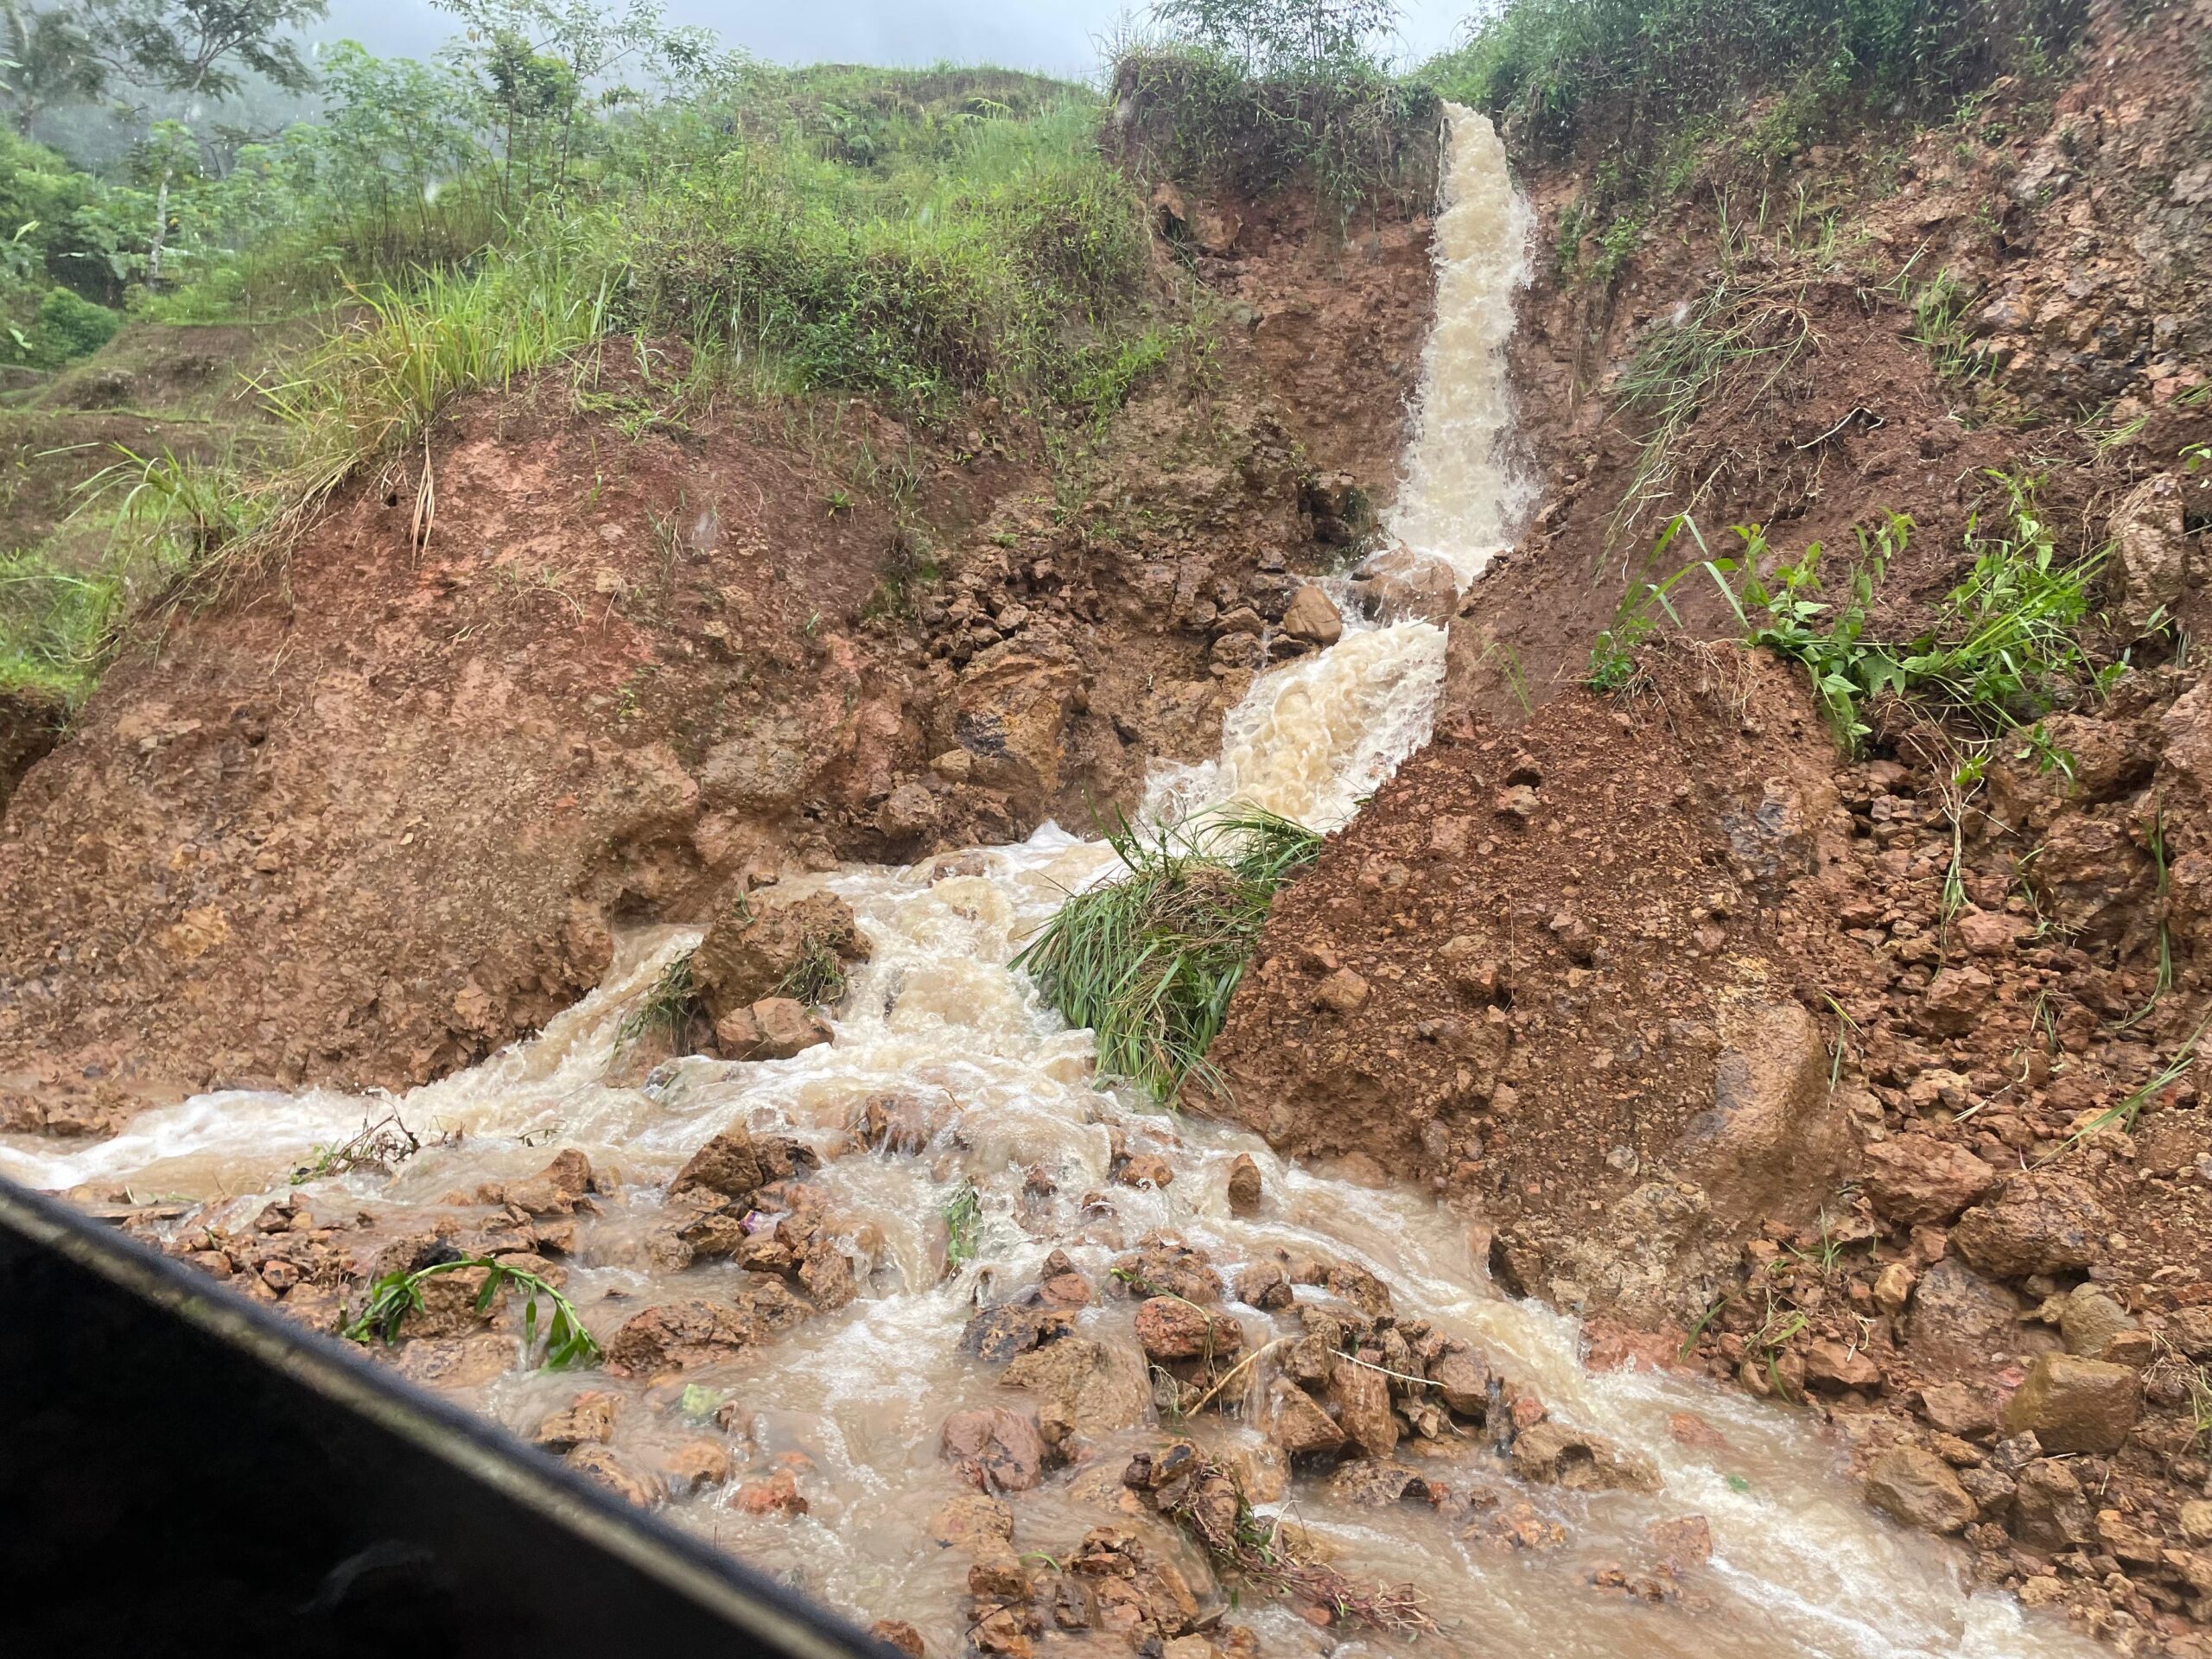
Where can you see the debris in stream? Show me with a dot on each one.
(428, 1291)
(1200, 1495)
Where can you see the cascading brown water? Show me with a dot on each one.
(855, 1400)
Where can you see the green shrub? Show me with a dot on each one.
(69, 326)
(1351, 131)
(2003, 651)
(1625, 73)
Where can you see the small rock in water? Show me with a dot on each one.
(1145, 1169)
(696, 1466)
(1312, 618)
(898, 1633)
(589, 1420)
(1293, 1420)
(777, 1494)
(971, 1522)
(1171, 1328)
(728, 1164)
(1244, 1190)
(1686, 1541)
(996, 1447)
(610, 1471)
(1560, 1456)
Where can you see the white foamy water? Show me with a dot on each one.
(1801, 1566)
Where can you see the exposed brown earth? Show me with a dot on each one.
(367, 817)
(1673, 999)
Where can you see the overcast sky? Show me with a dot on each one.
(1056, 36)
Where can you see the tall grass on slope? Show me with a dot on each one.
(374, 386)
(1150, 961)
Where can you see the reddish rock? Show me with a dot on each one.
(1957, 1000)
(1559, 1456)
(898, 1633)
(1686, 1541)
(696, 1466)
(729, 1165)
(1312, 618)
(1083, 1389)
(1462, 1381)
(1343, 993)
(1145, 1169)
(758, 942)
(1919, 1488)
(995, 1447)
(1169, 1328)
(588, 1420)
(610, 1471)
(1362, 1396)
(1915, 1179)
(972, 1521)
(777, 1494)
(1832, 1365)
(2071, 1404)
(1244, 1189)
(1296, 1421)
(2041, 1222)
(1264, 1285)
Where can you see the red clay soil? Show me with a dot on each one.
(1742, 1050)
(367, 817)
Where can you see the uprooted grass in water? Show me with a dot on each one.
(1256, 1550)
(396, 1295)
(963, 1215)
(817, 978)
(673, 1006)
(1149, 962)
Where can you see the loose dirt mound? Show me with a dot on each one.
(1556, 972)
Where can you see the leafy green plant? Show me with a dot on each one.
(393, 1297)
(2003, 649)
(1613, 665)
(963, 1218)
(1150, 961)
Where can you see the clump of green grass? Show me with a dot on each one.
(397, 1294)
(1737, 341)
(1149, 962)
(673, 1007)
(817, 979)
(372, 387)
(143, 524)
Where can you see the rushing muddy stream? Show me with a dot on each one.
(854, 1400)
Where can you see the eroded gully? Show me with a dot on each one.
(852, 1401)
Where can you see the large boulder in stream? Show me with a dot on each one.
(760, 945)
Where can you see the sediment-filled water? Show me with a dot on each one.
(852, 1400)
